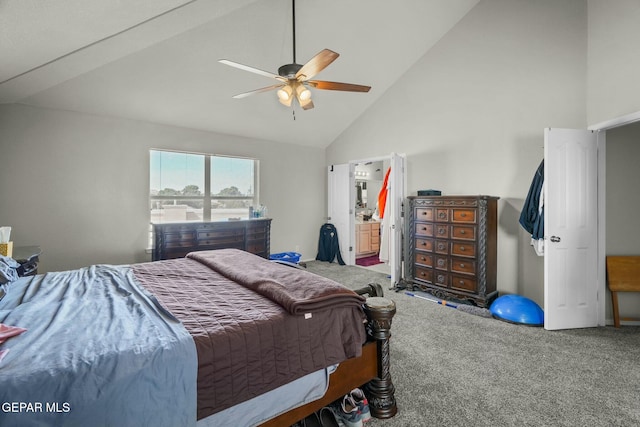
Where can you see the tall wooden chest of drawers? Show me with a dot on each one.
(175, 240)
(451, 247)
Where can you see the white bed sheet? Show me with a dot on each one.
(262, 408)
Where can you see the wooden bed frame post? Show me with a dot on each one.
(358, 370)
(380, 390)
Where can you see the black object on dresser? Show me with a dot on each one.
(175, 240)
(451, 247)
(28, 257)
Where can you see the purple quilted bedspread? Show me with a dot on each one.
(270, 325)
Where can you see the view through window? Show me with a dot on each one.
(200, 187)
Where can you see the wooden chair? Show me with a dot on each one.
(623, 275)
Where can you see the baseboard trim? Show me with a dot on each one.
(623, 322)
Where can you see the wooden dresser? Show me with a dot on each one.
(175, 240)
(451, 247)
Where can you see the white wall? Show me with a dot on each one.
(78, 185)
(470, 114)
(614, 59)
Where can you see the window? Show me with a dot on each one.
(200, 187)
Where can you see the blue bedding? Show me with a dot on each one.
(98, 351)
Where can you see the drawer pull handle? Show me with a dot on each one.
(441, 246)
(462, 248)
(424, 213)
(440, 278)
(440, 262)
(423, 243)
(463, 214)
(422, 258)
(424, 228)
(461, 265)
(462, 232)
(442, 230)
(422, 273)
(461, 282)
(442, 215)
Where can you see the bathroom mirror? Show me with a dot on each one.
(361, 194)
(368, 184)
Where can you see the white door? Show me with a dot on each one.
(396, 198)
(571, 229)
(341, 204)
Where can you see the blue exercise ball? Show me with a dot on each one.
(517, 309)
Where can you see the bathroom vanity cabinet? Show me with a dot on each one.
(367, 238)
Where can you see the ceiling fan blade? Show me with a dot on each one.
(347, 87)
(251, 69)
(264, 89)
(316, 64)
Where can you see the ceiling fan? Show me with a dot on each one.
(295, 79)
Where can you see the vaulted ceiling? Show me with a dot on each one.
(157, 60)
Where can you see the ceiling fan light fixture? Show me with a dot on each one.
(296, 78)
(284, 93)
(303, 93)
(286, 103)
(306, 104)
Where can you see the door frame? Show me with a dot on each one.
(601, 129)
(352, 231)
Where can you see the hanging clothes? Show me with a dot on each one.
(382, 196)
(532, 215)
(328, 244)
(384, 208)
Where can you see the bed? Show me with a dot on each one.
(188, 342)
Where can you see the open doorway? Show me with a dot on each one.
(575, 276)
(615, 233)
(369, 177)
(343, 198)
(575, 295)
